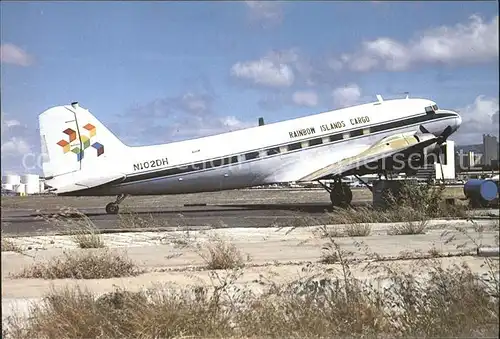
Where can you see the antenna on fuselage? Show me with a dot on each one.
(407, 95)
(379, 98)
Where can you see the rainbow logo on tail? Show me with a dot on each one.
(81, 145)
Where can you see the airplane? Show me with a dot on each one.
(84, 158)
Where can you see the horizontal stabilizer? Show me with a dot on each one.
(84, 183)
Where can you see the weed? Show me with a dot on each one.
(451, 302)
(329, 254)
(434, 252)
(328, 232)
(90, 265)
(88, 237)
(8, 245)
(357, 230)
(128, 219)
(78, 225)
(219, 253)
(408, 228)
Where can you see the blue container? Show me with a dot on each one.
(479, 189)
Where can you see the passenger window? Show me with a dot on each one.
(295, 146)
(335, 137)
(252, 155)
(273, 151)
(314, 142)
(356, 133)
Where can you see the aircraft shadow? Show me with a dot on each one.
(313, 208)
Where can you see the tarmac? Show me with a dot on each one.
(239, 208)
(30, 222)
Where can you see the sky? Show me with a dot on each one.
(155, 72)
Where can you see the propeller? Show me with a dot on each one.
(440, 140)
(423, 129)
(446, 133)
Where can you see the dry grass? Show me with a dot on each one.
(79, 226)
(413, 208)
(219, 253)
(349, 230)
(434, 252)
(8, 245)
(453, 302)
(357, 230)
(408, 228)
(88, 236)
(90, 265)
(128, 219)
(328, 232)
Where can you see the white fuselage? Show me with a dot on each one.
(279, 152)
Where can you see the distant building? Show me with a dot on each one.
(467, 160)
(490, 149)
(445, 169)
(476, 148)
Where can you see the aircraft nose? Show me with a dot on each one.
(458, 121)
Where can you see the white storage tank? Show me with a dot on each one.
(28, 178)
(8, 187)
(20, 188)
(32, 188)
(31, 182)
(11, 179)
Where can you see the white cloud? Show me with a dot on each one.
(284, 68)
(305, 98)
(265, 13)
(195, 103)
(346, 96)
(218, 125)
(181, 117)
(12, 54)
(335, 64)
(478, 118)
(11, 123)
(473, 42)
(20, 145)
(265, 72)
(8, 123)
(15, 146)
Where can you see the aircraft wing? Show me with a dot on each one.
(377, 156)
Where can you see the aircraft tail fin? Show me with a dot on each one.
(74, 140)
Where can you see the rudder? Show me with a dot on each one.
(73, 139)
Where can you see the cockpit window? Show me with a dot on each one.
(431, 109)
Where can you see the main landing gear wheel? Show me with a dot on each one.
(113, 207)
(340, 195)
